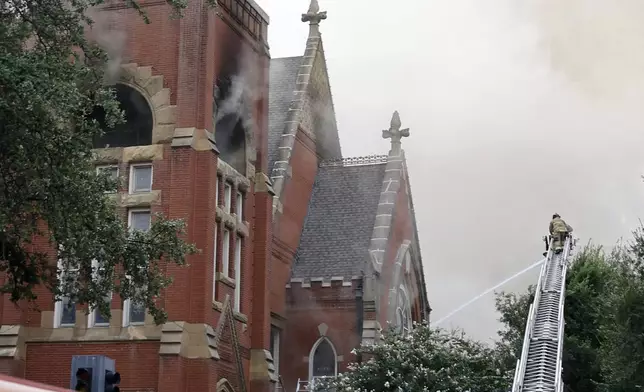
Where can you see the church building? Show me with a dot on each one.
(305, 253)
(345, 244)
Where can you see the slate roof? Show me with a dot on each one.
(282, 77)
(339, 222)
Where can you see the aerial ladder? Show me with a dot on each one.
(539, 368)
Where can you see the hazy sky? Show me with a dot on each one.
(517, 110)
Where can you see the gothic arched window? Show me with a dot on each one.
(138, 125)
(224, 386)
(403, 311)
(323, 359)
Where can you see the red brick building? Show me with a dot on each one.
(304, 254)
(345, 242)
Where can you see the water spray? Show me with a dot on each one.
(471, 301)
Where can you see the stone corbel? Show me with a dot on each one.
(263, 183)
(12, 342)
(197, 139)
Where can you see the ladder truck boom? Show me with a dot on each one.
(539, 368)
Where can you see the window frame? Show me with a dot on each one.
(239, 205)
(404, 310)
(225, 254)
(238, 268)
(228, 197)
(135, 210)
(217, 178)
(91, 320)
(58, 305)
(312, 356)
(275, 341)
(106, 166)
(127, 304)
(214, 263)
(133, 167)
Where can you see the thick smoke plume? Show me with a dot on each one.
(596, 44)
(241, 97)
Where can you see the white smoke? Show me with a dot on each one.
(106, 33)
(245, 89)
(595, 44)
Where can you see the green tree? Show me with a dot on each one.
(514, 313)
(51, 79)
(604, 311)
(426, 359)
(622, 329)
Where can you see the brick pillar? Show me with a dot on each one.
(172, 374)
(180, 374)
(262, 371)
(193, 28)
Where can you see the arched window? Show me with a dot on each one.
(224, 386)
(322, 360)
(403, 311)
(139, 121)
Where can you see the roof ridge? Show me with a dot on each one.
(355, 161)
(287, 57)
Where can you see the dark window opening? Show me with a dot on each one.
(228, 117)
(137, 128)
(324, 360)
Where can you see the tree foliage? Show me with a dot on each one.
(426, 359)
(51, 79)
(604, 315)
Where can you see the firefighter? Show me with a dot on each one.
(559, 230)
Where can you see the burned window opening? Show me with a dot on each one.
(229, 113)
(138, 125)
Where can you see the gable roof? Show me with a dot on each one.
(281, 84)
(339, 223)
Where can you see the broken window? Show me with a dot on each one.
(137, 128)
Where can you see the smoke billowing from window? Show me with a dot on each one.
(236, 92)
(105, 33)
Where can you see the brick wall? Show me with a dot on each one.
(289, 224)
(187, 53)
(137, 363)
(334, 306)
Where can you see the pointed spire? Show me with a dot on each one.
(314, 16)
(394, 132)
(314, 7)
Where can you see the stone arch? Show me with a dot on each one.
(224, 386)
(147, 88)
(323, 359)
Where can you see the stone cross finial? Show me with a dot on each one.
(394, 132)
(314, 16)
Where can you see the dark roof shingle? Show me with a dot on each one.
(281, 86)
(339, 222)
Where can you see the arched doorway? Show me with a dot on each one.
(323, 359)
